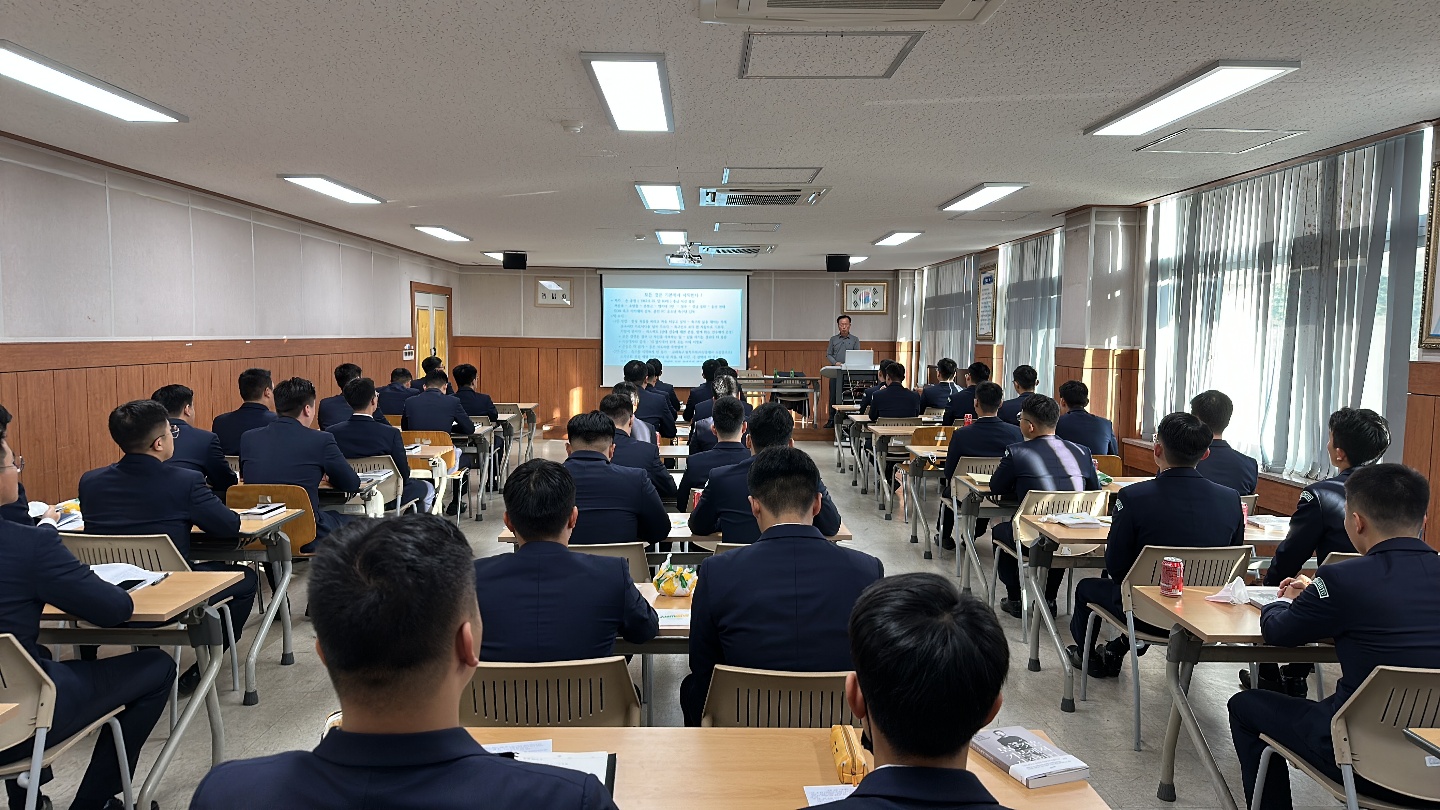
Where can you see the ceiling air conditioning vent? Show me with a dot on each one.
(736, 250)
(842, 12)
(736, 196)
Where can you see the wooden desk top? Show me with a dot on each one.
(763, 768)
(932, 452)
(524, 406)
(674, 451)
(169, 597)
(893, 430)
(846, 408)
(859, 418)
(659, 602)
(506, 417)
(1121, 482)
(430, 450)
(1211, 622)
(6, 710)
(1068, 534)
(680, 530)
(1428, 739)
(250, 527)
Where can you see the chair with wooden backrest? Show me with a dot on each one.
(892, 455)
(932, 412)
(24, 683)
(589, 692)
(1340, 556)
(1204, 568)
(765, 698)
(436, 438)
(386, 491)
(1369, 737)
(234, 463)
(393, 419)
(1042, 503)
(932, 436)
(1112, 466)
(634, 553)
(300, 531)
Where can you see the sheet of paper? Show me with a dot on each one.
(679, 521)
(116, 573)
(980, 478)
(526, 747)
(596, 763)
(820, 794)
(674, 618)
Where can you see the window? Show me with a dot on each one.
(1029, 312)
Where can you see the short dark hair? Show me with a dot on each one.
(1025, 376)
(897, 372)
(721, 362)
(400, 375)
(539, 498)
(770, 426)
(1184, 438)
(930, 662)
(465, 375)
(618, 408)
(359, 393)
(946, 368)
(728, 414)
(4, 422)
(253, 382)
(1041, 410)
(707, 370)
(626, 389)
(386, 597)
(292, 395)
(590, 428)
(784, 479)
(1214, 409)
(843, 318)
(656, 366)
(989, 395)
(726, 384)
(431, 363)
(436, 379)
(978, 372)
(1392, 496)
(1363, 434)
(635, 371)
(133, 425)
(651, 369)
(1074, 394)
(882, 368)
(345, 372)
(174, 397)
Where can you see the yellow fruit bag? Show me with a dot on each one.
(675, 580)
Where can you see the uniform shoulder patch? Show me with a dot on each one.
(1307, 496)
(1320, 588)
(1119, 504)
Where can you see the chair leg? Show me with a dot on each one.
(229, 625)
(1352, 801)
(126, 790)
(1260, 777)
(1319, 682)
(31, 778)
(994, 573)
(1134, 673)
(1090, 629)
(175, 691)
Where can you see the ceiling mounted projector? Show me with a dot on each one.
(688, 256)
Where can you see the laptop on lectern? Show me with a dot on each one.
(859, 359)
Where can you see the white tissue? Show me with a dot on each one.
(1235, 593)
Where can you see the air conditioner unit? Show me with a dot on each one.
(736, 196)
(736, 250)
(846, 12)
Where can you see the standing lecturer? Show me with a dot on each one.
(835, 355)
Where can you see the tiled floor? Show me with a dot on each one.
(296, 699)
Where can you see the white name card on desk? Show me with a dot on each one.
(820, 794)
(678, 617)
(526, 747)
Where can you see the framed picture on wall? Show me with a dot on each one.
(553, 292)
(867, 297)
(985, 309)
(1430, 307)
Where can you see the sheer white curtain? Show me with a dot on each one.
(1029, 316)
(1284, 292)
(948, 327)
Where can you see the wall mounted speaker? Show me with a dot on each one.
(837, 263)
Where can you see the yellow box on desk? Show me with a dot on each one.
(852, 761)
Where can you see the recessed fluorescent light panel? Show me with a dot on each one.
(1218, 82)
(982, 195)
(441, 233)
(858, 259)
(672, 237)
(896, 238)
(497, 256)
(332, 188)
(635, 89)
(661, 197)
(31, 68)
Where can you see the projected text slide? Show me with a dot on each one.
(685, 326)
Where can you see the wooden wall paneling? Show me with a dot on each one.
(529, 366)
(36, 410)
(1419, 432)
(10, 399)
(1428, 442)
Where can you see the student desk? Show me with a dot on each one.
(680, 530)
(923, 459)
(180, 601)
(772, 385)
(671, 641)
(750, 768)
(1057, 546)
(482, 441)
(842, 414)
(1428, 739)
(884, 435)
(1199, 628)
(260, 541)
(529, 411)
(971, 500)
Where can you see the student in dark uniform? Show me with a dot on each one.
(1179, 507)
(729, 425)
(393, 396)
(546, 602)
(963, 401)
(702, 434)
(654, 408)
(657, 368)
(37, 570)
(334, 410)
(725, 505)
(631, 453)
(929, 665)
(639, 431)
(783, 602)
(289, 452)
(143, 493)
(428, 366)
(1381, 610)
(937, 395)
(617, 504)
(1042, 462)
(1317, 527)
(474, 402)
(18, 510)
(882, 379)
(366, 435)
(394, 608)
(195, 449)
(894, 400)
(255, 412)
(986, 437)
(1024, 378)
(701, 392)
(433, 409)
(1077, 425)
(1225, 465)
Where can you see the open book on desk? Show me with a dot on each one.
(599, 764)
(375, 476)
(263, 510)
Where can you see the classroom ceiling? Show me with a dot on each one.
(451, 110)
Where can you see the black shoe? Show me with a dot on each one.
(1267, 684)
(829, 426)
(189, 680)
(1011, 606)
(1054, 609)
(117, 804)
(1295, 687)
(453, 509)
(947, 543)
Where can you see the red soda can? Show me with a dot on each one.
(1172, 576)
(969, 419)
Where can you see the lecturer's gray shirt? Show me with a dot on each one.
(835, 352)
